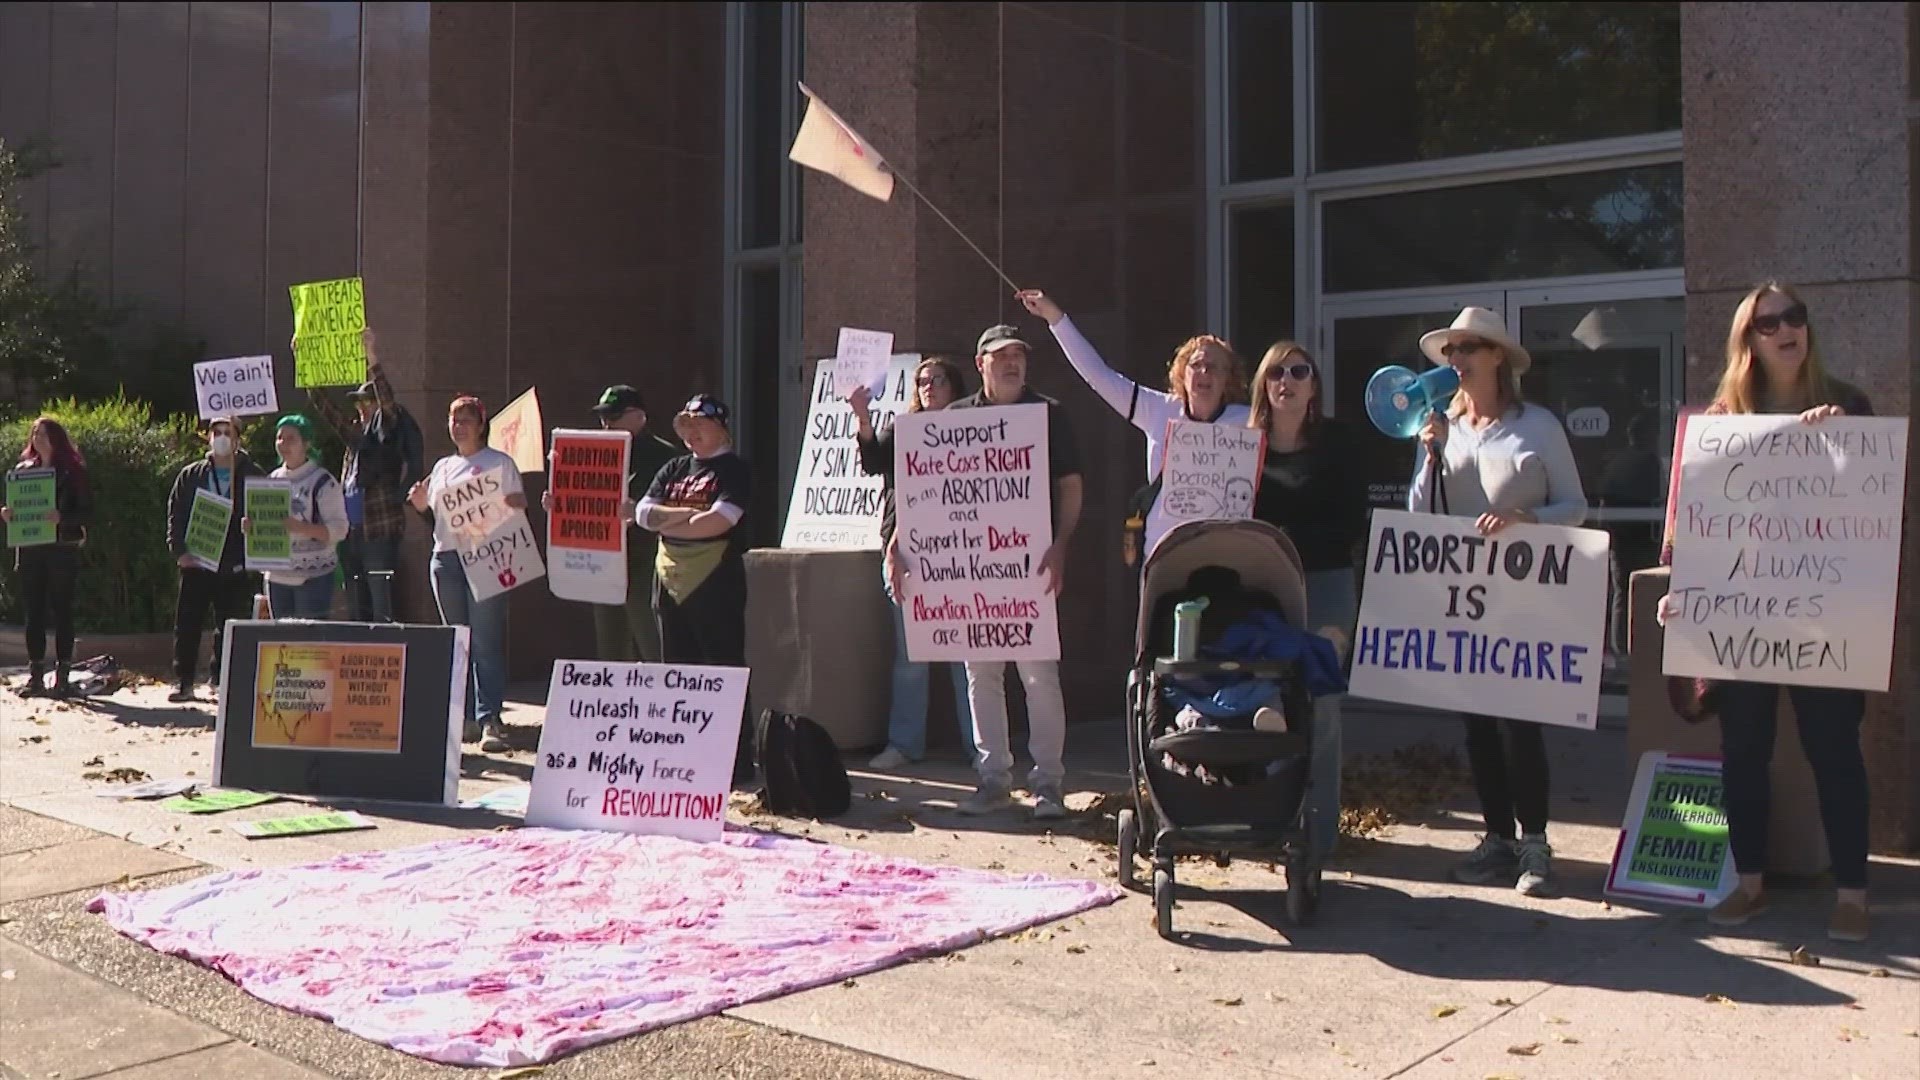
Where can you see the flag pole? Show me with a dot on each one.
(896, 174)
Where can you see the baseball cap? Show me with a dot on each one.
(618, 399)
(708, 406)
(365, 390)
(998, 337)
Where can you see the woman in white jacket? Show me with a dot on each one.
(1206, 382)
(316, 524)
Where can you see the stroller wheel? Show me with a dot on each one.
(1129, 844)
(1163, 902)
(1303, 893)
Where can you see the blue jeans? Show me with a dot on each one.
(1331, 601)
(487, 620)
(311, 599)
(907, 719)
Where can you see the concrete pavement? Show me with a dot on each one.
(1404, 975)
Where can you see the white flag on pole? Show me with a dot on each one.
(827, 144)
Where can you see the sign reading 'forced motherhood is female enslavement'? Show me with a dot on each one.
(835, 504)
(640, 748)
(1786, 549)
(974, 502)
(1503, 625)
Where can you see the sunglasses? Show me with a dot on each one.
(1296, 372)
(1769, 325)
(1463, 348)
(934, 379)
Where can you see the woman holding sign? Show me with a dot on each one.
(1772, 367)
(316, 523)
(486, 619)
(48, 570)
(1498, 460)
(937, 383)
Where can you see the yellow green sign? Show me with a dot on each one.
(328, 319)
(30, 497)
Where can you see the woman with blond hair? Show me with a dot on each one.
(1498, 460)
(1773, 367)
(1206, 382)
(938, 382)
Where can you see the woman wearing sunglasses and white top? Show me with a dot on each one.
(1503, 461)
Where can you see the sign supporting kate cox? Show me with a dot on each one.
(639, 748)
(1786, 549)
(1503, 625)
(974, 505)
(586, 529)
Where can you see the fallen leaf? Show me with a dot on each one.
(512, 1074)
(1501, 1076)
(1556, 1019)
(1504, 1003)
(1877, 973)
(1717, 999)
(1802, 958)
(1175, 968)
(1228, 1001)
(1145, 1063)
(1445, 1011)
(1604, 906)
(1076, 949)
(850, 984)
(1848, 1034)
(1856, 1006)
(7, 974)
(1526, 1050)
(93, 761)
(1568, 1039)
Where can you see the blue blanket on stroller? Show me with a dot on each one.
(1258, 635)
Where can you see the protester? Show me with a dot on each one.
(1310, 492)
(486, 619)
(696, 503)
(227, 590)
(1206, 382)
(48, 572)
(937, 381)
(1500, 461)
(1771, 326)
(316, 523)
(384, 458)
(1002, 359)
(630, 632)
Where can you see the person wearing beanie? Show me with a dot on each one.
(316, 524)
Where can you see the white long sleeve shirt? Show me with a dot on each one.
(1521, 461)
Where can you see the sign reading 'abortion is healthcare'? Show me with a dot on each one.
(1786, 548)
(1503, 625)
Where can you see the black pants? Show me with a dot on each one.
(230, 595)
(1509, 760)
(710, 627)
(1829, 723)
(47, 577)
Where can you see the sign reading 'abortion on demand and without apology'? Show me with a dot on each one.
(1503, 625)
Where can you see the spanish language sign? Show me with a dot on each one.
(586, 528)
(269, 504)
(1211, 473)
(239, 387)
(1786, 549)
(330, 696)
(515, 431)
(503, 559)
(30, 498)
(861, 360)
(328, 319)
(835, 504)
(1673, 843)
(1503, 625)
(975, 518)
(639, 748)
(207, 525)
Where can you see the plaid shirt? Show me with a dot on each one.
(383, 499)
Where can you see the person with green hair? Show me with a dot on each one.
(316, 523)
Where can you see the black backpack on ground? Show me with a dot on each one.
(802, 766)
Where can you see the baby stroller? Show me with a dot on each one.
(1225, 788)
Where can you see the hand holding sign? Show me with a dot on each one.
(861, 359)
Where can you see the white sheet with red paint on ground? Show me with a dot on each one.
(513, 948)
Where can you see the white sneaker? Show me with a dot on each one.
(1536, 866)
(889, 759)
(986, 799)
(1047, 804)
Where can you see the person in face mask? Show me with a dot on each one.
(229, 589)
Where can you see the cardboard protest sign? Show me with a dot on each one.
(586, 529)
(216, 802)
(328, 319)
(1673, 843)
(515, 431)
(639, 748)
(504, 559)
(1786, 550)
(1504, 625)
(834, 503)
(31, 500)
(238, 387)
(861, 360)
(269, 544)
(304, 825)
(475, 506)
(342, 710)
(974, 504)
(207, 525)
(330, 697)
(1211, 473)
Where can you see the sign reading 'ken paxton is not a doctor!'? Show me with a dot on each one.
(974, 507)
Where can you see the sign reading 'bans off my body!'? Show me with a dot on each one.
(974, 512)
(638, 748)
(1786, 550)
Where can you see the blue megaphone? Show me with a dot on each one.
(1398, 400)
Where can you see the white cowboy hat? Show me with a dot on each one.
(1477, 322)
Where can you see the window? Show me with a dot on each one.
(1402, 82)
(1260, 91)
(1550, 226)
(1261, 239)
